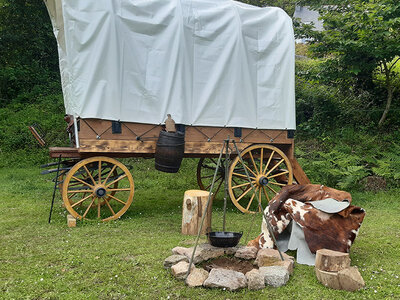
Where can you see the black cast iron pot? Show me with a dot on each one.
(224, 239)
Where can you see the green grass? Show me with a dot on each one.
(123, 259)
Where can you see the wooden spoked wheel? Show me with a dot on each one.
(269, 170)
(98, 188)
(205, 174)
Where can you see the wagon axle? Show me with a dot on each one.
(100, 192)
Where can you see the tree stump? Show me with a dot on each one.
(194, 204)
(331, 261)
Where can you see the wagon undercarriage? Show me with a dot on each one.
(94, 185)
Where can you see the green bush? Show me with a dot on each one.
(344, 158)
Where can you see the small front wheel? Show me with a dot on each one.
(98, 188)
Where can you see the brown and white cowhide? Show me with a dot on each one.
(335, 231)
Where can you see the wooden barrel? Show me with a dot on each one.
(169, 151)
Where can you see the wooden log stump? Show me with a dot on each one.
(331, 261)
(194, 204)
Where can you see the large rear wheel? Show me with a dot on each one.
(269, 170)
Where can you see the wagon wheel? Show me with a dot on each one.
(104, 173)
(98, 187)
(205, 173)
(268, 168)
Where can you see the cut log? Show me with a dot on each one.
(329, 279)
(331, 261)
(193, 208)
(350, 279)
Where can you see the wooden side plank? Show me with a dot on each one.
(96, 128)
(138, 147)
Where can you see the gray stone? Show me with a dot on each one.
(203, 252)
(255, 280)
(275, 276)
(181, 251)
(287, 264)
(269, 257)
(228, 279)
(174, 259)
(246, 252)
(196, 277)
(180, 269)
(230, 250)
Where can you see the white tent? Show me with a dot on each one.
(205, 62)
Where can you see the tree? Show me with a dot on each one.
(286, 5)
(361, 40)
(28, 50)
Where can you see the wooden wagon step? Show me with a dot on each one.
(65, 152)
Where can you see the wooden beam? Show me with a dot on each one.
(298, 172)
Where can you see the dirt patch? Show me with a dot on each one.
(229, 263)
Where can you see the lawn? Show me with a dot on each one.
(123, 259)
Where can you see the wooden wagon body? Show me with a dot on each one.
(223, 69)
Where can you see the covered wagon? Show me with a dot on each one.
(219, 68)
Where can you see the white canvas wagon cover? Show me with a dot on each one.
(205, 62)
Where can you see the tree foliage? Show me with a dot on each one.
(361, 40)
(28, 50)
(286, 5)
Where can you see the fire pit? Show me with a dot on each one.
(230, 268)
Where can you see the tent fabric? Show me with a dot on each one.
(205, 62)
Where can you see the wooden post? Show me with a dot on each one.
(194, 203)
(71, 221)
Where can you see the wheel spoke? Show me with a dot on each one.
(216, 180)
(109, 206)
(80, 201)
(90, 174)
(78, 191)
(108, 176)
(250, 170)
(240, 185)
(272, 189)
(244, 194)
(274, 167)
(88, 208)
(261, 159)
(99, 171)
(98, 208)
(209, 176)
(84, 182)
(219, 185)
(266, 194)
(259, 199)
(117, 190)
(276, 175)
(241, 175)
(251, 199)
(116, 180)
(269, 161)
(237, 183)
(254, 163)
(116, 199)
(276, 183)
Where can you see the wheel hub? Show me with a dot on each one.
(100, 192)
(263, 181)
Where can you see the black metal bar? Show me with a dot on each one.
(226, 182)
(55, 187)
